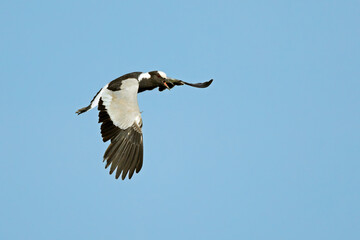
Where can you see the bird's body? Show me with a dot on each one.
(121, 118)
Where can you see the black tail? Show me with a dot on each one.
(82, 110)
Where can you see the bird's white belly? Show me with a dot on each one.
(122, 105)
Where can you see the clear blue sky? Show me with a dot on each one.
(270, 151)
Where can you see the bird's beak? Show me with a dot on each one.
(165, 84)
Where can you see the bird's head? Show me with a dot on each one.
(160, 78)
(150, 80)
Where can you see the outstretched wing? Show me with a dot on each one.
(171, 82)
(121, 124)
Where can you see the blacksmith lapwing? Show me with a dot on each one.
(121, 119)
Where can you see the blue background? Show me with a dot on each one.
(270, 151)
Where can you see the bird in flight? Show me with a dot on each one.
(120, 117)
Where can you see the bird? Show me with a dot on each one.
(120, 117)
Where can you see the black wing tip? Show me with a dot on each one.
(208, 83)
(199, 85)
(129, 172)
(123, 176)
(125, 152)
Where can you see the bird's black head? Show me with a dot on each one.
(159, 78)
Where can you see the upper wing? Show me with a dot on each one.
(175, 82)
(121, 123)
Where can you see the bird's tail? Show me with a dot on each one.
(82, 110)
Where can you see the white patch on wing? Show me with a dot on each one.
(144, 75)
(162, 74)
(122, 105)
(138, 121)
(97, 98)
